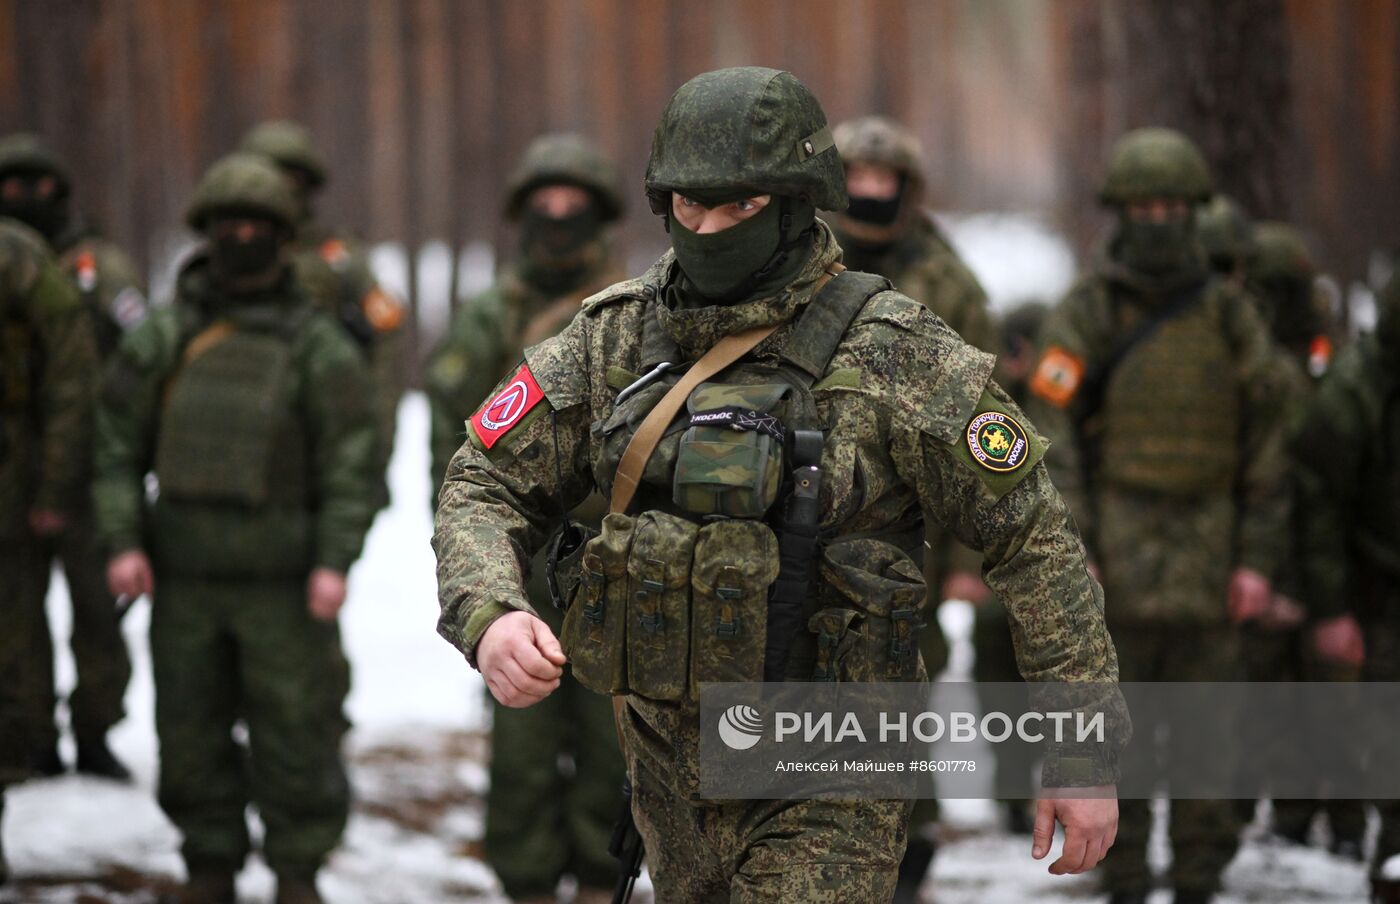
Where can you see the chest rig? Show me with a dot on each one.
(229, 427)
(707, 574)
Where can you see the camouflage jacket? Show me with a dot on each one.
(1348, 484)
(1249, 518)
(923, 265)
(48, 366)
(334, 271)
(489, 334)
(896, 403)
(325, 436)
(108, 282)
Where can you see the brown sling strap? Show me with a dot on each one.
(724, 353)
(643, 442)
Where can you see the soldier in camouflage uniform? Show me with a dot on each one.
(252, 409)
(886, 230)
(1280, 274)
(48, 360)
(333, 269)
(540, 824)
(1226, 236)
(1156, 384)
(1350, 487)
(671, 596)
(35, 188)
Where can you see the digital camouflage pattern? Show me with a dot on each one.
(1155, 163)
(232, 543)
(564, 160)
(1350, 487)
(48, 362)
(243, 182)
(541, 824)
(739, 132)
(895, 400)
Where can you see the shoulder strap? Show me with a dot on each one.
(828, 315)
(1096, 381)
(724, 353)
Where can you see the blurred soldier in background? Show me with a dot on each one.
(48, 362)
(253, 410)
(1224, 232)
(1347, 449)
(35, 189)
(333, 269)
(1156, 384)
(886, 230)
(541, 824)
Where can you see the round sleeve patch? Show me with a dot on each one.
(997, 441)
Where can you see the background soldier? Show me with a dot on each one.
(1156, 384)
(886, 230)
(1225, 234)
(35, 189)
(333, 268)
(47, 362)
(252, 410)
(1350, 488)
(898, 390)
(540, 824)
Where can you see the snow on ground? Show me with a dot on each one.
(418, 754)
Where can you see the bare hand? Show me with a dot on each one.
(520, 659)
(1091, 827)
(964, 585)
(129, 574)
(325, 594)
(1340, 640)
(1249, 595)
(46, 522)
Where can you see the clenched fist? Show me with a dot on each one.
(520, 658)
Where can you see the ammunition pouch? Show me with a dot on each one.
(867, 626)
(664, 603)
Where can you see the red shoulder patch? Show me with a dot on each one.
(505, 409)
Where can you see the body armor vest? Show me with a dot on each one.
(680, 594)
(1171, 410)
(229, 429)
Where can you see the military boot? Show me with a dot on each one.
(297, 890)
(46, 762)
(96, 758)
(1385, 891)
(1192, 896)
(1128, 897)
(204, 888)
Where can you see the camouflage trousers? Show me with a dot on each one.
(225, 651)
(1204, 834)
(544, 821)
(996, 662)
(18, 563)
(768, 851)
(1284, 656)
(99, 651)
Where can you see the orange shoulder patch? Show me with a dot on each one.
(382, 310)
(333, 251)
(1057, 376)
(85, 267)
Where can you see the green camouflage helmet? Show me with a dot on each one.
(568, 160)
(879, 140)
(243, 183)
(1224, 231)
(735, 133)
(289, 145)
(26, 152)
(1155, 163)
(1280, 254)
